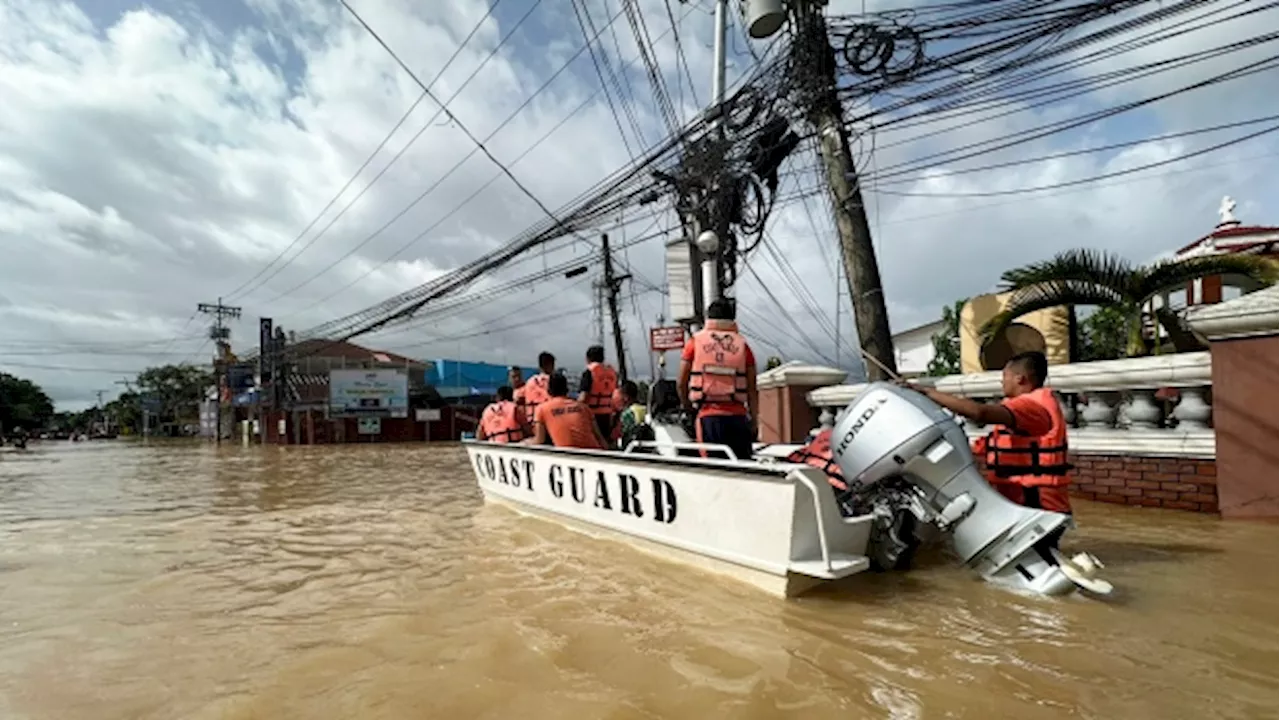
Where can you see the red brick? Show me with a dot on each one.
(1143, 484)
(1145, 501)
(1167, 467)
(1198, 497)
(1207, 487)
(1180, 505)
(1187, 469)
(1210, 469)
(1110, 498)
(1092, 488)
(1082, 464)
(1161, 476)
(1209, 507)
(1128, 474)
(1113, 465)
(1180, 486)
(1161, 494)
(1113, 481)
(1127, 491)
(1084, 495)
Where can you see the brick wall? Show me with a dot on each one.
(1177, 483)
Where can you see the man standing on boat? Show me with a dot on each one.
(565, 421)
(596, 389)
(1026, 450)
(503, 421)
(718, 380)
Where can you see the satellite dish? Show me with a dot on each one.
(1013, 339)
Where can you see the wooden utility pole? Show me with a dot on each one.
(858, 254)
(612, 285)
(220, 334)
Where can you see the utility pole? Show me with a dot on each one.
(813, 51)
(102, 415)
(221, 335)
(612, 284)
(142, 405)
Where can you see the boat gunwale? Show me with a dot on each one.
(774, 470)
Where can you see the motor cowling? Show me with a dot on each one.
(894, 432)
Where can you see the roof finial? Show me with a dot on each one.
(1225, 216)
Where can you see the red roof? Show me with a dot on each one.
(1230, 231)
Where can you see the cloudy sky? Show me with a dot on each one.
(162, 154)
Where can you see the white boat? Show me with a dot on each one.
(779, 525)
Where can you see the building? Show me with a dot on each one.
(468, 382)
(913, 348)
(1229, 236)
(307, 417)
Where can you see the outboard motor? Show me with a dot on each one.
(890, 432)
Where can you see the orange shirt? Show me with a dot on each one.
(717, 409)
(569, 423)
(1029, 416)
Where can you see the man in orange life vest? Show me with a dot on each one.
(503, 421)
(533, 392)
(1026, 452)
(596, 387)
(718, 379)
(566, 422)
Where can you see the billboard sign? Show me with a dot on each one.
(680, 268)
(368, 393)
(662, 339)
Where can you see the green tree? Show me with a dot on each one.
(23, 404)
(178, 390)
(1106, 280)
(946, 343)
(773, 362)
(1104, 335)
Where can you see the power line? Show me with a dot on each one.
(1104, 176)
(453, 118)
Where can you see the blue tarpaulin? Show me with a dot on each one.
(457, 378)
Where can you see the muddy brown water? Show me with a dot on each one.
(181, 581)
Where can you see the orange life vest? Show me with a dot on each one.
(1030, 461)
(719, 369)
(604, 380)
(818, 454)
(532, 394)
(569, 424)
(502, 423)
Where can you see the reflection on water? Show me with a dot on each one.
(369, 581)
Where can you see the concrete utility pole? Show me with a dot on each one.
(221, 335)
(612, 284)
(862, 272)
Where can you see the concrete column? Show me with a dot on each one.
(785, 414)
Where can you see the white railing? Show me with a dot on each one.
(1111, 406)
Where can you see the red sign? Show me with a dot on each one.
(662, 339)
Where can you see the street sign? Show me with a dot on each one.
(662, 339)
(427, 415)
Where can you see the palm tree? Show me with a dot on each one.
(1093, 277)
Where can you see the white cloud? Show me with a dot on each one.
(159, 158)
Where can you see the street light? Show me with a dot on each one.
(762, 18)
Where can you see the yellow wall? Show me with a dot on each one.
(1052, 323)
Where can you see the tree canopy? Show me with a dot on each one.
(946, 343)
(1106, 280)
(23, 404)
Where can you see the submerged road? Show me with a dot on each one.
(181, 581)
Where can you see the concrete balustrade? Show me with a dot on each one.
(1147, 431)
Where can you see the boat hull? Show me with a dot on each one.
(775, 526)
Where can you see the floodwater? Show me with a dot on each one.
(180, 581)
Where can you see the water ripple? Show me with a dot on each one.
(370, 581)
